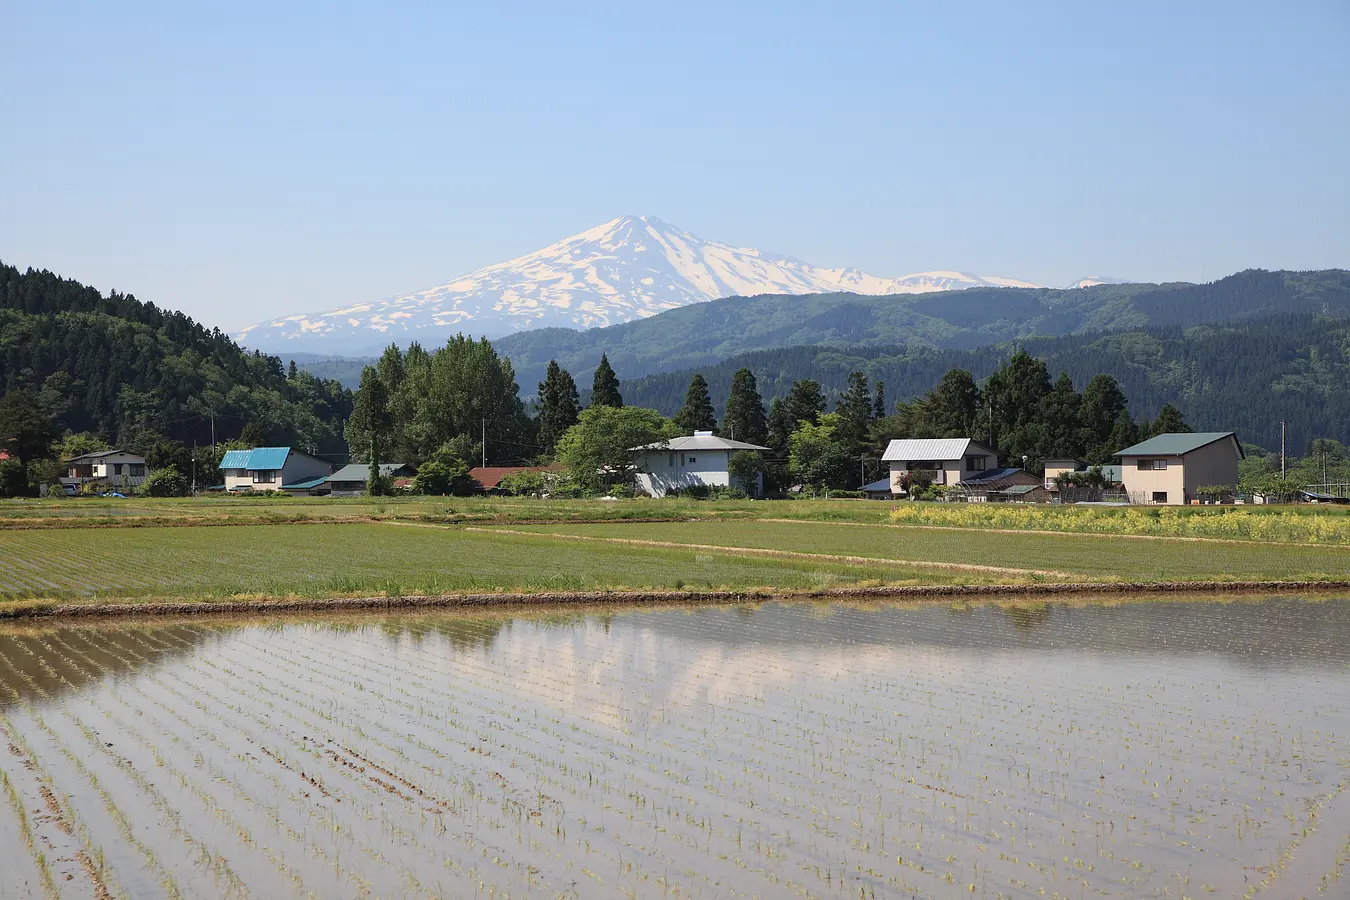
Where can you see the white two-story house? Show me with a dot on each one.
(946, 461)
(116, 468)
(700, 460)
(270, 468)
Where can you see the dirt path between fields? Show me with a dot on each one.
(765, 552)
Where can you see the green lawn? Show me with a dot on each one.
(331, 559)
(1094, 556)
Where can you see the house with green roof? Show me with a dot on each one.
(270, 468)
(1170, 469)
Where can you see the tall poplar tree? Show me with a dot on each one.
(605, 387)
(697, 413)
(372, 416)
(744, 419)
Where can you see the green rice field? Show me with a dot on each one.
(327, 559)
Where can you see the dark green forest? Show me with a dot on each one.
(1244, 377)
(135, 375)
(706, 333)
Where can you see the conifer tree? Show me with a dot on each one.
(697, 413)
(744, 419)
(804, 403)
(1169, 421)
(855, 414)
(879, 401)
(371, 415)
(558, 406)
(605, 387)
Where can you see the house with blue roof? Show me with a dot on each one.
(271, 469)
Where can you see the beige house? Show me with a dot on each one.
(1170, 469)
(117, 469)
(945, 460)
(696, 461)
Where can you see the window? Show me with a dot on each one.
(925, 464)
(976, 463)
(1160, 496)
(264, 476)
(672, 460)
(117, 468)
(691, 459)
(1151, 465)
(137, 470)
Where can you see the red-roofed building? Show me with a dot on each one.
(487, 478)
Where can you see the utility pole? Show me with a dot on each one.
(1283, 431)
(862, 469)
(213, 431)
(194, 468)
(485, 442)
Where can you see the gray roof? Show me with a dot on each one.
(907, 449)
(99, 454)
(361, 471)
(877, 487)
(700, 440)
(989, 476)
(1178, 444)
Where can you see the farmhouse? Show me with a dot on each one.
(270, 468)
(350, 480)
(700, 460)
(488, 478)
(1170, 469)
(946, 461)
(115, 468)
(1002, 486)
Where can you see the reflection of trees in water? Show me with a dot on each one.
(35, 661)
(1027, 617)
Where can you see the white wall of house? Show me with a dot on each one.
(948, 471)
(117, 469)
(299, 467)
(660, 471)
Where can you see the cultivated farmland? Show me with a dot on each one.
(1151, 750)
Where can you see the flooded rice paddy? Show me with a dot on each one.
(1160, 749)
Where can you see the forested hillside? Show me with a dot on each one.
(706, 333)
(1244, 377)
(134, 374)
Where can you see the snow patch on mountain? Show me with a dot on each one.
(628, 268)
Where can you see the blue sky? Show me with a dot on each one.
(244, 161)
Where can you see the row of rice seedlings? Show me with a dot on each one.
(141, 789)
(249, 811)
(272, 754)
(665, 718)
(262, 689)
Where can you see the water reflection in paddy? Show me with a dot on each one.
(1130, 750)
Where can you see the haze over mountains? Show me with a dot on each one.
(628, 268)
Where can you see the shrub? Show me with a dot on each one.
(166, 482)
(523, 484)
(438, 479)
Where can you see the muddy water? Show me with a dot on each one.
(1160, 749)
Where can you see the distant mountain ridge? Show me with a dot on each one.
(1247, 376)
(706, 333)
(631, 267)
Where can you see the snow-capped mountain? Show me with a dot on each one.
(1094, 280)
(627, 268)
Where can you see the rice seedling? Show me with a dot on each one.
(826, 749)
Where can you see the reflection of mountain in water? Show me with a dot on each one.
(1260, 633)
(1256, 631)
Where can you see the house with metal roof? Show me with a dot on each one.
(270, 468)
(1170, 469)
(115, 468)
(351, 479)
(698, 460)
(945, 461)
